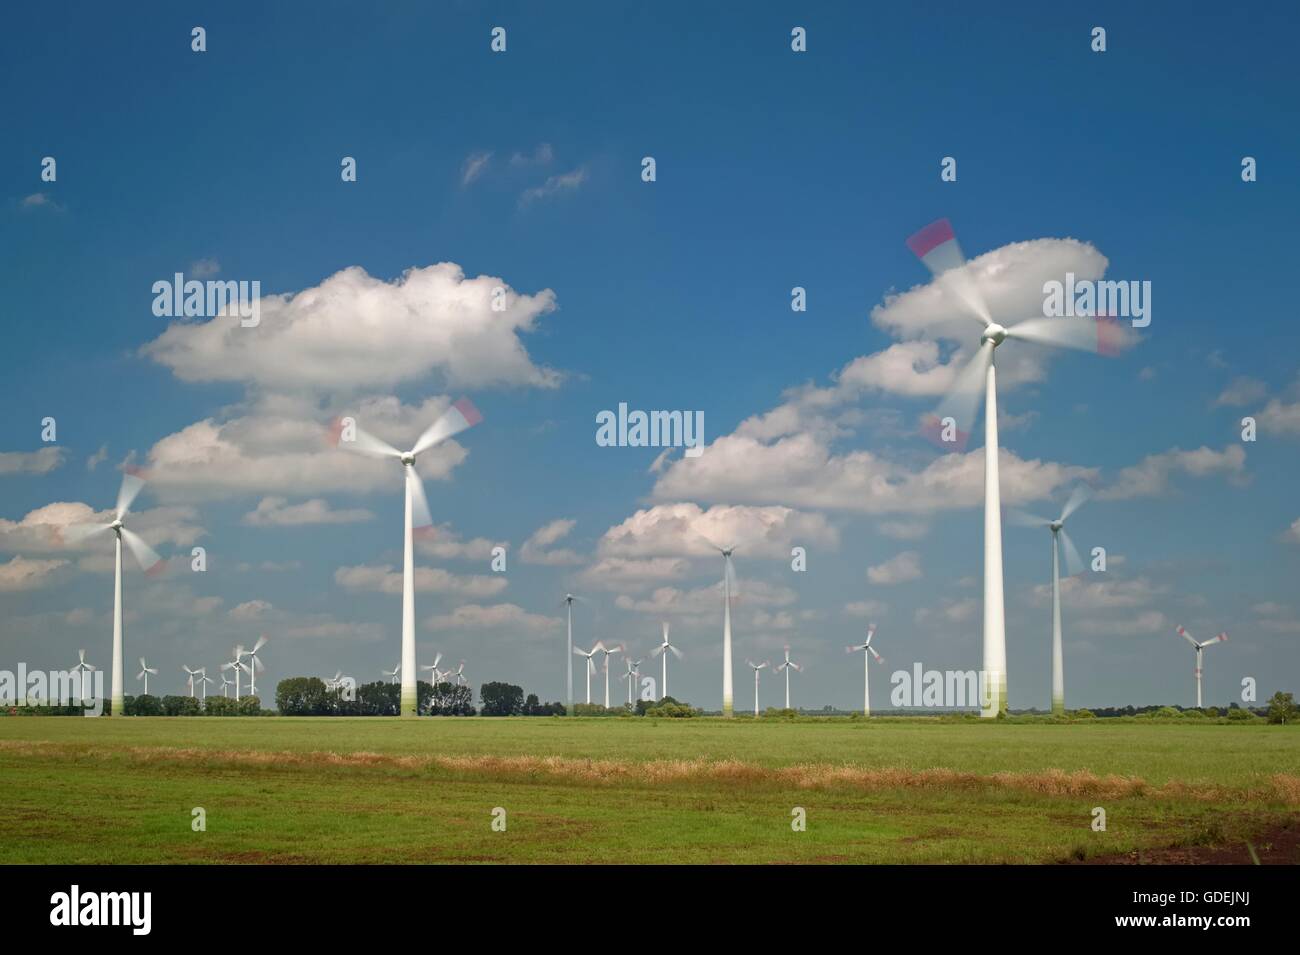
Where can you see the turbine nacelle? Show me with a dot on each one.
(994, 334)
(407, 458)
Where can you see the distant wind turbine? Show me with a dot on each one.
(662, 650)
(457, 418)
(237, 665)
(609, 651)
(434, 672)
(868, 651)
(145, 670)
(254, 664)
(756, 667)
(631, 674)
(787, 666)
(190, 682)
(82, 669)
(591, 664)
(1200, 649)
(393, 673)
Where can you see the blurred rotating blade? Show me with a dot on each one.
(1073, 562)
(961, 404)
(1077, 498)
(354, 439)
(456, 419)
(421, 519)
(1102, 336)
(145, 556)
(132, 482)
(936, 246)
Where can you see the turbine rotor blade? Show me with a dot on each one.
(79, 533)
(421, 519)
(936, 246)
(1025, 519)
(677, 653)
(1073, 562)
(456, 419)
(1077, 498)
(961, 404)
(261, 642)
(878, 657)
(1103, 336)
(1219, 638)
(1188, 637)
(145, 556)
(132, 482)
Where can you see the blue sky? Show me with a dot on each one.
(774, 169)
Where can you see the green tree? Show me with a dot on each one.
(1281, 708)
(502, 699)
(143, 705)
(302, 696)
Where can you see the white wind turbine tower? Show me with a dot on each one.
(190, 681)
(936, 246)
(82, 669)
(457, 418)
(1074, 564)
(568, 656)
(756, 667)
(145, 556)
(728, 591)
(609, 651)
(226, 682)
(662, 650)
(787, 666)
(631, 674)
(868, 651)
(254, 664)
(1200, 649)
(392, 674)
(591, 664)
(237, 665)
(204, 680)
(145, 670)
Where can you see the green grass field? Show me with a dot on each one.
(632, 790)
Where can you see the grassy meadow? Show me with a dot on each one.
(322, 790)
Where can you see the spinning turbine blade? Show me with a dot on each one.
(677, 653)
(1220, 638)
(1077, 498)
(457, 418)
(261, 642)
(362, 442)
(421, 519)
(936, 246)
(145, 556)
(878, 657)
(1104, 336)
(1188, 637)
(961, 403)
(132, 482)
(77, 533)
(1073, 562)
(1025, 519)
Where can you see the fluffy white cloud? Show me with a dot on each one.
(505, 616)
(538, 548)
(384, 579)
(1151, 475)
(251, 610)
(445, 542)
(1242, 390)
(22, 573)
(474, 167)
(278, 512)
(557, 185)
(1280, 417)
(897, 570)
(42, 461)
(354, 331)
(634, 573)
(42, 530)
(687, 529)
(281, 444)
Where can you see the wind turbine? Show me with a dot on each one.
(630, 674)
(728, 586)
(568, 676)
(204, 680)
(756, 667)
(392, 674)
(787, 666)
(868, 652)
(1200, 649)
(609, 651)
(82, 669)
(433, 669)
(146, 557)
(254, 664)
(193, 674)
(225, 682)
(237, 665)
(591, 665)
(145, 670)
(459, 674)
(457, 418)
(1074, 564)
(660, 651)
(936, 246)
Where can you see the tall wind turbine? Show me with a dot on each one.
(254, 664)
(609, 651)
(145, 670)
(434, 672)
(82, 669)
(146, 557)
(662, 650)
(226, 682)
(728, 591)
(1074, 564)
(591, 665)
(1200, 649)
(936, 246)
(787, 666)
(457, 418)
(190, 682)
(631, 674)
(756, 667)
(568, 655)
(204, 680)
(237, 664)
(868, 651)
